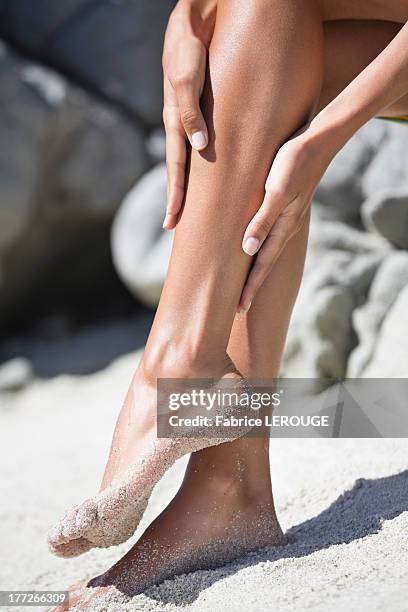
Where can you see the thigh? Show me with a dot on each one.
(380, 10)
(349, 46)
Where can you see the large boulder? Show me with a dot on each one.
(327, 234)
(341, 186)
(140, 247)
(113, 47)
(318, 347)
(390, 358)
(386, 213)
(340, 266)
(23, 119)
(389, 169)
(15, 374)
(66, 161)
(390, 279)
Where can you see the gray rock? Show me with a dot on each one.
(112, 46)
(343, 269)
(15, 374)
(386, 213)
(94, 156)
(23, 120)
(340, 265)
(334, 235)
(341, 255)
(156, 145)
(321, 336)
(388, 169)
(390, 358)
(66, 162)
(318, 346)
(341, 187)
(30, 24)
(389, 281)
(140, 248)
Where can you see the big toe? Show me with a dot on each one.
(66, 538)
(73, 548)
(87, 514)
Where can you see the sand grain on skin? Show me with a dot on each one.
(111, 516)
(348, 552)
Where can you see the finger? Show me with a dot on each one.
(187, 90)
(272, 247)
(261, 224)
(176, 157)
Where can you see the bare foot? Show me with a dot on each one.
(211, 521)
(137, 460)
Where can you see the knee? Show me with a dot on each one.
(277, 16)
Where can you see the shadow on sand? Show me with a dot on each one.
(356, 514)
(91, 348)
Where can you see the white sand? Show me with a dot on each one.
(351, 554)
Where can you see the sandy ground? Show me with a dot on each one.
(344, 502)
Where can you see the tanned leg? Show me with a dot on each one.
(239, 470)
(252, 105)
(257, 339)
(253, 360)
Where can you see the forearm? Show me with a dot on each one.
(196, 17)
(381, 83)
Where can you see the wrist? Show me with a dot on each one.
(196, 17)
(336, 123)
(326, 134)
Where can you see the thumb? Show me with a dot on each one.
(261, 224)
(188, 98)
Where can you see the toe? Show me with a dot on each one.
(74, 548)
(76, 593)
(87, 515)
(54, 536)
(67, 538)
(59, 534)
(69, 527)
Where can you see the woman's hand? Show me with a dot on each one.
(301, 162)
(184, 63)
(295, 173)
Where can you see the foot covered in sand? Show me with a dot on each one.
(137, 460)
(210, 522)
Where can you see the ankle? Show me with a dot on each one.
(239, 488)
(235, 482)
(182, 359)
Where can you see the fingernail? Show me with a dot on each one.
(198, 140)
(166, 222)
(243, 309)
(251, 246)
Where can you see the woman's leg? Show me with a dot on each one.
(252, 103)
(257, 340)
(247, 72)
(261, 359)
(236, 475)
(349, 46)
(224, 506)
